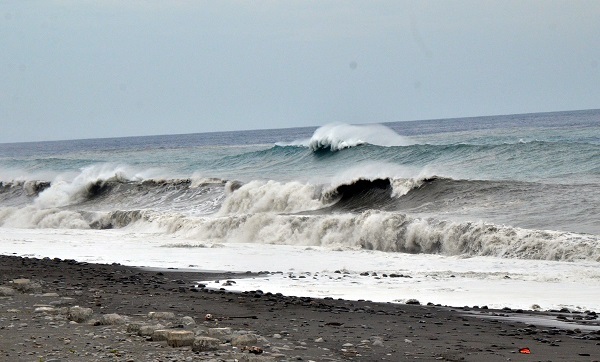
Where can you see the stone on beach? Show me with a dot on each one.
(244, 340)
(205, 344)
(160, 335)
(111, 319)
(79, 314)
(161, 315)
(64, 301)
(133, 328)
(253, 358)
(26, 286)
(223, 333)
(180, 338)
(188, 321)
(148, 330)
(377, 341)
(6, 292)
(46, 309)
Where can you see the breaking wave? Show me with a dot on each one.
(361, 213)
(371, 230)
(338, 136)
(387, 232)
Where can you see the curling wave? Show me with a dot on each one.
(338, 136)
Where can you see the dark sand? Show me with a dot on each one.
(294, 328)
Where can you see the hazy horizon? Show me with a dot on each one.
(82, 70)
(295, 127)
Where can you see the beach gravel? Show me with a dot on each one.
(63, 310)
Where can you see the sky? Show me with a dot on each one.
(73, 69)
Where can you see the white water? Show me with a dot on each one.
(337, 136)
(446, 280)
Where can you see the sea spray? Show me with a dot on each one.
(338, 136)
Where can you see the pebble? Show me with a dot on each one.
(244, 340)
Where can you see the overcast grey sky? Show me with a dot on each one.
(85, 69)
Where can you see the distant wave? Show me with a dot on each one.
(338, 136)
(527, 161)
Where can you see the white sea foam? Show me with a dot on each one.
(495, 282)
(67, 189)
(32, 217)
(382, 231)
(271, 196)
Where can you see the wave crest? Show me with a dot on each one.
(388, 232)
(270, 196)
(338, 136)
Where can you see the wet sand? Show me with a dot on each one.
(37, 322)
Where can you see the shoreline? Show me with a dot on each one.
(288, 328)
(441, 279)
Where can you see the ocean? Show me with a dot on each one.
(491, 200)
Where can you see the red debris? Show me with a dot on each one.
(525, 350)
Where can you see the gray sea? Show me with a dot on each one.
(519, 186)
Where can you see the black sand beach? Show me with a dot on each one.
(38, 322)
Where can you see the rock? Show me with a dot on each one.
(244, 340)
(79, 314)
(111, 319)
(26, 286)
(160, 335)
(319, 340)
(45, 309)
(413, 301)
(62, 302)
(252, 358)
(161, 315)
(277, 336)
(18, 282)
(50, 295)
(133, 328)
(220, 333)
(180, 338)
(6, 292)
(148, 330)
(377, 341)
(205, 344)
(188, 321)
